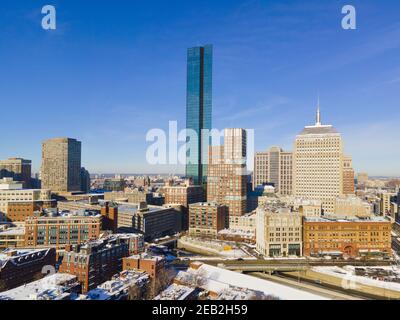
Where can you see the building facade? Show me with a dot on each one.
(348, 176)
(274, 167)
(16, 204)
(152, 221)
(132, 196)
(207, 219)
(150, 264)
(18, 169)
(61, 165)
(60, 231)
(18, 267)
(318, 164)
(95, 262)
(279, 232)
(352, 237)
(85, 180)
(11, 237)
(227, 176)
(198, 110)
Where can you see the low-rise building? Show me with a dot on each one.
(178, 292)
(150, 264)
(152, 221)
(17, 203)
(350, 237)
(207, 218)
(11, 236)
(96, 261)
(22, 266)
(279, 231)
(115, 184)
(127, 285)
(352, 206)
(61, 229)
(184, 195)
(131, 196)
(58, 286)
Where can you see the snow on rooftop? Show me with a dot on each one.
(118, 286)
(49, 288)
(175, 292)
(219, 279)
(348, 273)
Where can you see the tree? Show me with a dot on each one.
(3, 285)
(162, 280)
(135, 292)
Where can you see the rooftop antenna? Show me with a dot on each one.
(318, 117)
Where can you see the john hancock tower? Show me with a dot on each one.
(199, 110)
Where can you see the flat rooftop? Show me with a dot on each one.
(48, 288)
(355, 219)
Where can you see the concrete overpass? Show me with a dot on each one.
(264, 268)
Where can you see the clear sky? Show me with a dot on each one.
(115, 69)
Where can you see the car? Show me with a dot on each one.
(240, 259)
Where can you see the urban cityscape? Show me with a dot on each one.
(239, 223)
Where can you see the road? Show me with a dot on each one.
(334, 294)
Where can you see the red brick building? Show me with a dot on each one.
(110, 216)
(207, 218)
(95, 262)
(352, 238)
(145, 262)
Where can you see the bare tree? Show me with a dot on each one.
(162, 280)
(136, 292)
(3, 285)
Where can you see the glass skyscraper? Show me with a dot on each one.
(198, 110)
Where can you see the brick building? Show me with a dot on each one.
(61, 230)
(352, 237)
(183, 195)
(109, 213)
(95, 262)
(22, 266)
(207, 219)
(150, 264)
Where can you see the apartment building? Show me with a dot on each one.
(96, 261)
(227, 177)
(207, 219)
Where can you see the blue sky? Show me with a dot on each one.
(115, 69)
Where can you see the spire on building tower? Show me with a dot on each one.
(318, 117)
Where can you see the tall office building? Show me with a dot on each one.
(274, 167)
(227, 178)
(348, 175)
(198, 110)
(18, 169)
(61, 165)
(318, 164)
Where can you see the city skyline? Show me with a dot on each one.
(255, 85)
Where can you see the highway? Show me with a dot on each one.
(331, 293)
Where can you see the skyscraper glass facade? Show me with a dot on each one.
(198, 110)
